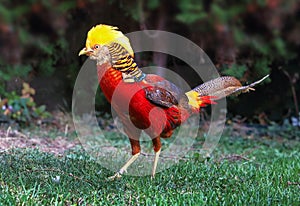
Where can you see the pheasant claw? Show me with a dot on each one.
(115, 176)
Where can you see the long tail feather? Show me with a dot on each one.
(224, 86)
(215, 89)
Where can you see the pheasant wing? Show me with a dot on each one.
(160, 96)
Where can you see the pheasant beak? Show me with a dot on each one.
(86, 51)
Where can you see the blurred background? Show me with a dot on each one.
(40, 41)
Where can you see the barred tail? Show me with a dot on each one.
(218, 88)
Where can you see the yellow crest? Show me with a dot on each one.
(104, 34)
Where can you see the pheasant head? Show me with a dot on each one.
(99, 37)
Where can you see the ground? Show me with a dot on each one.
(50, 168)
(10, 139)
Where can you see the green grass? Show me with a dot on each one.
(259, 175)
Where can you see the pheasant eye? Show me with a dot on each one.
(96, 46)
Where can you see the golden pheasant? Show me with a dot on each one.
(155, 105)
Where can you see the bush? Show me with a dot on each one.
(21, 108)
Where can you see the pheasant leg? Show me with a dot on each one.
(155, 163)
(124, 168)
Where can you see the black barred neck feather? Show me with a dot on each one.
(123, 61)
(133, 76)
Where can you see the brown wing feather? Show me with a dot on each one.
(160, 96)
(162, 92)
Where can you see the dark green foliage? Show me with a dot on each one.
(21, 108)
(235, 70)
(12, 71)
(247, 39)
(191, 11)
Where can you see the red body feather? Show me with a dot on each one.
(134, 109)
